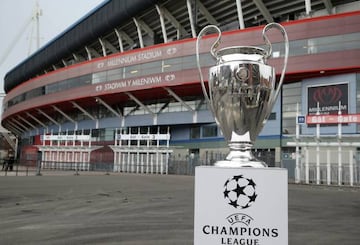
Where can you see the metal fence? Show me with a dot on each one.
(328, 167)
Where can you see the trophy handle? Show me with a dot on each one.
(268, 44)
(213, 51)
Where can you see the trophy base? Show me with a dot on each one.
(241, 158)
(238, 163)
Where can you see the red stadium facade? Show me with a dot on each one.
(156, 90)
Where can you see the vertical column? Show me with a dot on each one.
(81, 159)
(297, 148)
(138, 162)
(132, 170)
(43, 157)
(73, 163)
(318, 148)
(139, 32)
(339, 164)
(152, 163)
(308, 7)
(306, 165)
(121, 168)
(142, 162)
(117, 155)
(192, 24)
(161, 163)
(129, 154)
(351, 168)
(51, 150)
(328, 167)
(65, 161)
(240, 14)
(124, 161)
(339, 147)
(157, 151)
(88, 159)
(167, 151)
(119, 40)
(162, 23)
(147, 151)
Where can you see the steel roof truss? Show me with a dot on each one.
(141, 42)
(36, 120)
(99, 100)
(110, 46)
(263, 10)
(121, 46)
(200, 104)
(14, 128)
(63, 114)
(27, 122)
(162, 22)
(94, 53)
(206, 13)
(146, 28)
(48, 117)
(20, 124)
(88, 53)
(164, 106)
(126, 37)
(139, 103)
(328, 6)
(173, 94)
(103, 48)
(83, 110)
(173, 21)
(78, 57)
(190, 13)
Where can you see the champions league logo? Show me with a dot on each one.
(240, 228)
(239, 192)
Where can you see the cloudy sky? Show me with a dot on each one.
(16, 26)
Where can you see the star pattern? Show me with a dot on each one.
(251, 182)
(226, 193)
(239, 190)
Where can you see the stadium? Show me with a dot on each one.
(120, 89)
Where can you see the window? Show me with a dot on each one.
(195, 132)
(209, 131)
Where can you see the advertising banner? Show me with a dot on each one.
(328, 98)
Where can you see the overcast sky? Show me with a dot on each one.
(57, 16)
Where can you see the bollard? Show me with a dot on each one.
(38, 168)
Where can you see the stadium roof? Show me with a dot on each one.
(97, 34)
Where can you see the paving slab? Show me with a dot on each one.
(95, 208)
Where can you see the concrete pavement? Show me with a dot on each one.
(94, 208)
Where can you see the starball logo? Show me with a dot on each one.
(239, 192)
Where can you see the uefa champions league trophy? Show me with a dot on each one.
(242, 93)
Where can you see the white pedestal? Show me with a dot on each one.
(241, 206)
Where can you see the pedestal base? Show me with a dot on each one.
(241, 206)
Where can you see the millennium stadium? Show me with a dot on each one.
(120, 89)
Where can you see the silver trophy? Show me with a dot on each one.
(241, 93)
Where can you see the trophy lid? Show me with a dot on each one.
(242, 53)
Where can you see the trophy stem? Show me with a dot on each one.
(241, 156)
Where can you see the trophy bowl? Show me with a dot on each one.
(241, 93)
